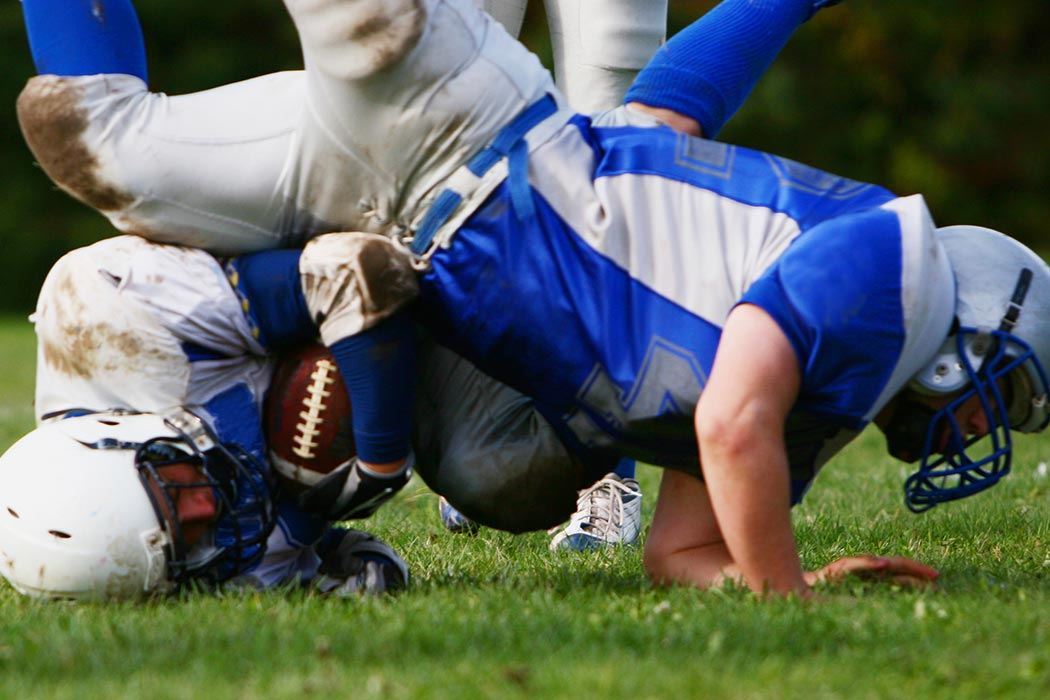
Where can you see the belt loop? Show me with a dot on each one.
(509, 143)
(438, 214)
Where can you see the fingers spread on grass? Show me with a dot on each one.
(911, 568)
(899, 570)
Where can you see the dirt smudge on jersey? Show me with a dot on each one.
(53, 122)
(78, 352)
(74, 342)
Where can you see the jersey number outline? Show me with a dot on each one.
(669, 381)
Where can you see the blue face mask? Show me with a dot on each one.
(245, 510)
(952, 464)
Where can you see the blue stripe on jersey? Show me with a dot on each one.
(604, 356)
(836, 294)
(199, 353)
(300, 529)
(805, 194)
(236, 420)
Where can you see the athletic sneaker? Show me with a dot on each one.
(453, 520)
(608, 513)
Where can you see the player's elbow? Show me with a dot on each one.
(724, 435)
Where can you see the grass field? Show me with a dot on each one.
(499, 616)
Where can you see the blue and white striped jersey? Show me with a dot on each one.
(607, 305)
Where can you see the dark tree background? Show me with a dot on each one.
(948, 98)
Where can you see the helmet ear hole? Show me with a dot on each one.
(59, 534)
(13, 512)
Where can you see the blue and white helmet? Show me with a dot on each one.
(998, 351)
(86, 512)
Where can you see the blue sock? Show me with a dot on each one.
(378, 365)
(85, 37)
(708, 69)
(379, 370)
(625, 468)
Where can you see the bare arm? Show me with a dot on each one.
(685, 544)
(737, 524)
(740, 428)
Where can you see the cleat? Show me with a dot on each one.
(607, 514)
(453, 520)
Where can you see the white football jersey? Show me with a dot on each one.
(126, 323)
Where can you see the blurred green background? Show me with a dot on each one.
(945, 97)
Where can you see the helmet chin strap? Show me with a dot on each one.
(1013, 312)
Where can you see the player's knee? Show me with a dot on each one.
(356, 38)
(352, 281)
(55, 122)
(655, 561)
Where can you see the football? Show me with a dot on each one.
(307, 418)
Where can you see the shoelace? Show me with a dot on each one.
(603, 504)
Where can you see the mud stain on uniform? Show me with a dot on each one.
(54, 123)
(369, 27)
(78, 353)
(78, 345)
(390, 36)
(315, 286)
(387, 277)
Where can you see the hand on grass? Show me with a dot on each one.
(900, 570)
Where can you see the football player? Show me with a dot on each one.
(299, 156)
(593, 68)
(803, 305)
(148, 470)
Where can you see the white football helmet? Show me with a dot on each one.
(998, 350)
(85, 511)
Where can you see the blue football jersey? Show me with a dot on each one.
(607, 306)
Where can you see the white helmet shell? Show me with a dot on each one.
(987, 267)
(76, 521)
